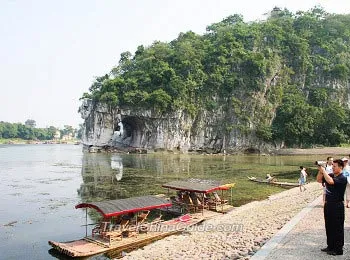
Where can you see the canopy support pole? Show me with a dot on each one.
(172, 206)
(202, 204)
(85, 222)
(222, 204)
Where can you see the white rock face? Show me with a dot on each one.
(125, 128)
(98, 124)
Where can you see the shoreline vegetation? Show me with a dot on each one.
(16, 141)
(344, 150)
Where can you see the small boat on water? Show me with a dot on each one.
(274, 182)
(124, 225)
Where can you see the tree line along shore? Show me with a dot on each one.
(22, 141)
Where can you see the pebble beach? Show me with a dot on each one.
(238, 234)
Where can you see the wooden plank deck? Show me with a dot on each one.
(96, 245)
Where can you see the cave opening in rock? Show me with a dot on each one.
(252, 150)
(131, 131)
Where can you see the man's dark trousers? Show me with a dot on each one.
(334, 216)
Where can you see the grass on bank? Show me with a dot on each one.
(23, 141)
(12, 141)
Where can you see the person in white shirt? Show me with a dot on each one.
(302, 179)
(329, 170)
(329, 164)
(346, 173)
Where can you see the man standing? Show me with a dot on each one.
(334, 214)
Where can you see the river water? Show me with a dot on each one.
(41, 184)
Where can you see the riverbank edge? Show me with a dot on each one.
(314, 151)
(260, 220)
(94, 149)
(23, 142)
(283, 151)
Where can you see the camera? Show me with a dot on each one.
(321, 163)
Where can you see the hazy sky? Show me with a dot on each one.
(50, 51)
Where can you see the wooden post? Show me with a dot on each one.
(171, 202)
(222, 204)
(202, 204)
(85, 222)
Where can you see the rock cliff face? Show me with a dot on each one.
(132, 129)
(227, 86)
(230, 127)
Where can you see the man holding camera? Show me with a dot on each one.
(334, 214)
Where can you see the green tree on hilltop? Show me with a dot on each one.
(283, 69)
(30, 123)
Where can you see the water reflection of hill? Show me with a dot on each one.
(115, 176)
(100, 173)
(111, 176)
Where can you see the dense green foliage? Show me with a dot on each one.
(28, 131)
(284, 70)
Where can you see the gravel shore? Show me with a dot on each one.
(254, 224)
(320, 151)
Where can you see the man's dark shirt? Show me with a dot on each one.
(335, 192)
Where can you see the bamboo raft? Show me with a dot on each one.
(89, 245)
(133, 236)
(96, 244)
(196, 194)
(286, 185)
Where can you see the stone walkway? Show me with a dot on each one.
(303, 237)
